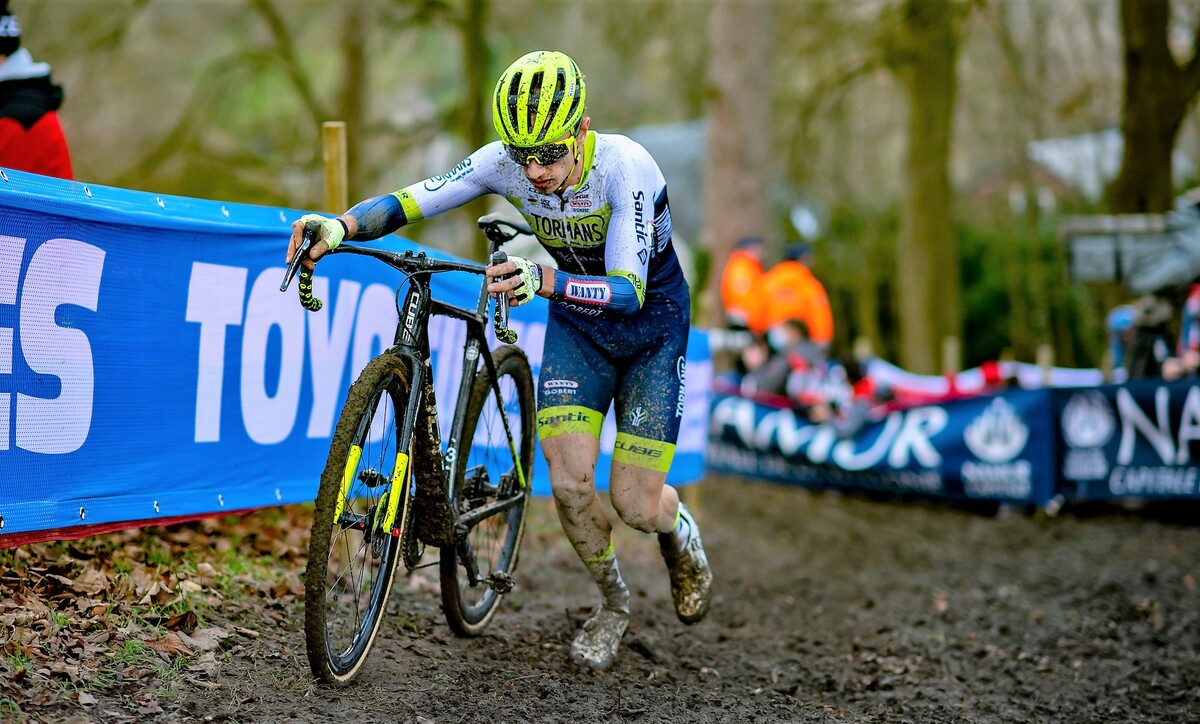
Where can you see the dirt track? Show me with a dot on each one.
(827, 609)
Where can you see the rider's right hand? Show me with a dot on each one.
(331, 234)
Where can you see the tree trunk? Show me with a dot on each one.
(476, 66)
(928, 274)
(738, 165)
(351, 99)
(1157, 95)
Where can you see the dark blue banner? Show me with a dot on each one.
(1137, 440)
(996, 448)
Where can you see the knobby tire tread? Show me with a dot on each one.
(315, 586)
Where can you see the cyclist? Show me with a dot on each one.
(617, 327)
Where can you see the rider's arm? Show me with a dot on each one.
(381, 215)
(619, 294)
(630, 244)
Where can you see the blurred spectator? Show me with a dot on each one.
(31, 138)
(741, 296)
(1149, 347)
(1189, 323)
(1120, 326)
(790, 291)
(792, 355)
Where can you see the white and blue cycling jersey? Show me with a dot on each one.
(619, 312)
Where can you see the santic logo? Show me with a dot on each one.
(998, 435)
(1088, 420)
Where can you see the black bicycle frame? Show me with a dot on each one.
(412, 344)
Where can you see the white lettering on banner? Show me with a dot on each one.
(12, 250)
(1189, 426)
(905, 436)
(1152, 481)
(374, 331)
(845, 455)
(328, 346)
(61, 272)
(920, 425)
(1008, 480)
(215, 301)
(1158, 434)
(270, 418)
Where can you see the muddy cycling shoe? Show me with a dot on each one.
(691, 578)
(596, 645)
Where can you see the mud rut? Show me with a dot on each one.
(828, 608)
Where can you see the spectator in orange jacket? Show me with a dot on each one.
(741, 296)
(790, 291)
(31, 138)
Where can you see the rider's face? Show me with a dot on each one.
(551, 177)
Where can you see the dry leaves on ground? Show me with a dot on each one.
(120, 617)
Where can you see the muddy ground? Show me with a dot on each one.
(827, 608)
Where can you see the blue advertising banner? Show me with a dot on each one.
(997, 448)
(1136, 440)
(150, 367)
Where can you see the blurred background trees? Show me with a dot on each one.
(925, 147)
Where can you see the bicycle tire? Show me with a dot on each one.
(496, 540)
(351, 559)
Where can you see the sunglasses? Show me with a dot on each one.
(543, 155)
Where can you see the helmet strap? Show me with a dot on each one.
(574, 163)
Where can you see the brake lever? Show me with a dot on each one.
(307, 300)
(500, 313)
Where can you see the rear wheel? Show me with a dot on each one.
(361, 518)
(496, 466)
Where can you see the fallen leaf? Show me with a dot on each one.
(185, 622)
(171, 644)
(205, 639)
(86, 699)
(91, 581)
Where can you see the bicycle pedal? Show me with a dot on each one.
(501, 582)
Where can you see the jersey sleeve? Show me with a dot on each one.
(475, 176)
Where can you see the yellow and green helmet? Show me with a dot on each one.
(523, 114)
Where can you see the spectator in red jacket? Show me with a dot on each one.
(31, 138)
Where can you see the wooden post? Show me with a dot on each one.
(863, 350)
(951, 355)
(337, 193)
(1045, 361)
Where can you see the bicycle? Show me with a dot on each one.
(388, 490)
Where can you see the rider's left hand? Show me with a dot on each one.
(518, 277)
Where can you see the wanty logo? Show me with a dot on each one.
(998, 435)
(637, 417)
(594, 292)
(560, 385)
(1088, 420)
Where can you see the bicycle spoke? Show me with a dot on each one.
(499, 439)
(354, 547)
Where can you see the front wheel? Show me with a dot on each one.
(360, 520)
(494, 470)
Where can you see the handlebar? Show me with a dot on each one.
(409, 263)
(307, 300)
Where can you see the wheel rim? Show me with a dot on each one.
(489, 468)
(362, 555)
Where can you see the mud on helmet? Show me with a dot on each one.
(538, 99)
